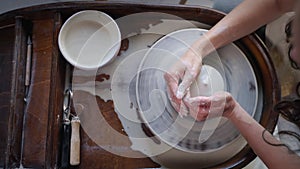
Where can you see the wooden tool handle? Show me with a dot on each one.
(75, 142)
(28, 65)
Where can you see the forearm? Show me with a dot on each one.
(241, 21)
(273, 156)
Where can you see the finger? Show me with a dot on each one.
(187, 96)
(172, 86)
(197, 103)
(190, 74)
(188, 93)
(203, 108)
(183, 110)
(187, 81)
(172, 83)
(201, 100)
(173, 99)
(192, 69)
(218, 102)
(172, 78)
(178, 105)
(198, 106)
(176, 71)
(201, 114)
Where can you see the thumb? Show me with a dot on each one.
(187, 81)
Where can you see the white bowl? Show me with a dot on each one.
(89, 39)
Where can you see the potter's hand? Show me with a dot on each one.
(181, 76)
(220, 104)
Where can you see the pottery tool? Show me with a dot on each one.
(75, 133)
(71, 128)
(75, 141)
(66, 127)
(28, 66)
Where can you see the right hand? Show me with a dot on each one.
(185, 71)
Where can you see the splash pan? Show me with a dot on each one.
(227, 69)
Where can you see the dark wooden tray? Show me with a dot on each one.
(30, 133)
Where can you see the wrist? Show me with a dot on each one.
(203, 47)
(234, 111)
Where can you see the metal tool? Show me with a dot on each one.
(66, 127)
(28, 67)
(71, 129)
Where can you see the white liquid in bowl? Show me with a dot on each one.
(89, 39)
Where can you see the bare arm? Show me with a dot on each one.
(273, 156)
(245, 19)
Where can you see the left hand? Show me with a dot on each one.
(218, 104)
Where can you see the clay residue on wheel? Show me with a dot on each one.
(102, 77)
(124, 46)
(146, 129)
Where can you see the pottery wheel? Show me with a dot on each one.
(228, 66)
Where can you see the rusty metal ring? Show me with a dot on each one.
(68, 96)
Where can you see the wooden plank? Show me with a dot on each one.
(56, 101)
(36, 121)
(117, 9)
(12, 67)
(6, 61)
(17, 96)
